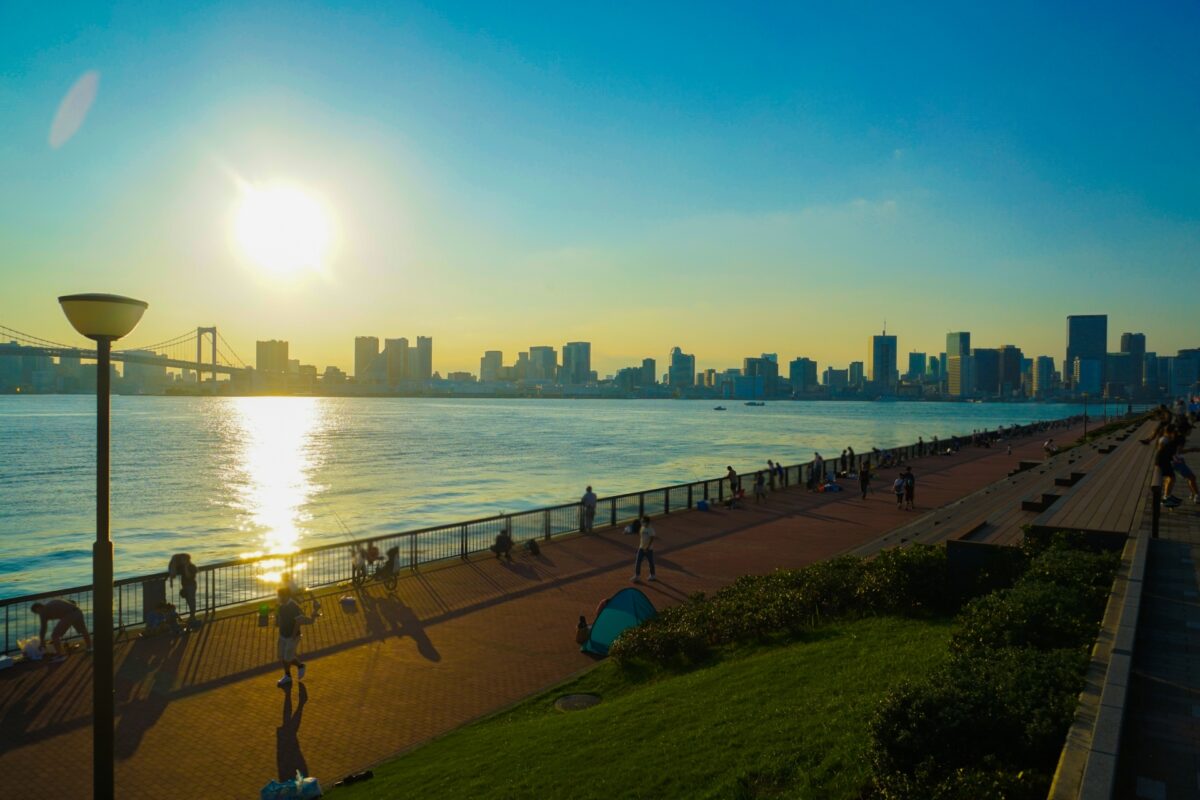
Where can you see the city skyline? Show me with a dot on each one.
(539, 185)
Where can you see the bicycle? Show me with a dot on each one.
(367, 569)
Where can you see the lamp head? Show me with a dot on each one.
(102, 316)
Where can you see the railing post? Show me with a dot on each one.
(546, 523)
(721, 491)
(706, 491)
(463, 539)
(612, 507)
(412, 553)
(689, 495)
(666, 501)
(641, 505)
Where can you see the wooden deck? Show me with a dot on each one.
(1095, 487)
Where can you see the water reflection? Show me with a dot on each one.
(277, 463)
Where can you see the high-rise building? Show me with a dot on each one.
(366, 352)
(396, 359)
(1087, 338)
(490, 365)
(835, 379)
(1043, 376)
(1150, 372)
(1087, 375)
(1123, 373)
(767, 369)
(648, 372)
(1009, 379)
(960, 371)
(424, 360)
(577, 363)
(543, 364)
(883, 361)
(682, 369)
(856, 375)
(271, 357)
(916, 366)
(802, 373)
(987, 370)
(934, 370)
(1133, 343)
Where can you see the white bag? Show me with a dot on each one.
(31, 648)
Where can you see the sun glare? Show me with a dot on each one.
(282, 229)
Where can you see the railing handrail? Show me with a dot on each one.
(354, 543)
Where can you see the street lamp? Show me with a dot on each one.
(104, 318)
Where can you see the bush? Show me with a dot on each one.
(977, 719)
(908, 580)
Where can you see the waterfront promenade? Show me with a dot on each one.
(200, 715)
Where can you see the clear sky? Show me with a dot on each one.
(500, 175)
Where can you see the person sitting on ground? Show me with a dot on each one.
(1050, 447)
(68, 616)
(503, 545)
(531, 547)
(582, 631)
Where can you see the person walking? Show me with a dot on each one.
(587, 510)
(288, 618)
(645, 551)
(760, 487)
(864, 479)
(67, 616)
(910, 487)
(898, 490)
(181, 565)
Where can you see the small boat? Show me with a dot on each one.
(755, 403)
(718, 408)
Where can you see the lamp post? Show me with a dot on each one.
(103, 318)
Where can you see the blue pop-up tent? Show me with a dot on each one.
(624, 609)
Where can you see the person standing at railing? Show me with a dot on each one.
(587, 511)
(771, 473)
(181, 565)
(68, 616)
(733, 481)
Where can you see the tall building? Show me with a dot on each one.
(883, 361)
(423, 367)
(1150, 372)
(396, 359)
(1087, 338)
(960, 372)
(1043, 376)
(577, 363)
(366, 352)
(934, 370)
(1133, 343)
(682, 369)
(835, 379)
(987, 370)
(543, 364)
(1011, 359)
(802, 373)
(857, 376)
(1123, 373)
(916, 366)
(765, 368)
(271, 357)
(648, 372)
(490, 365)
(1087, 375)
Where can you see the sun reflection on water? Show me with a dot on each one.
(277, 464)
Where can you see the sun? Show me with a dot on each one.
(282, 229)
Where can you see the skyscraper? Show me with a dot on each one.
(543, 364)
(1010, 369)
(987, 370)
(1135, 345)
(577, 363)
(883, 361)
(682, 369)
(1087, 338)
(960, 370)
(366, 351)
(765, 368)
(648, 372)
(490, 365)
(802, 373)
(916, 366)
(424, 359)
(396, 358)
(271, 357)
(1043, 376)
(857, 375)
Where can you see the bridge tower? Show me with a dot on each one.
(200, 334)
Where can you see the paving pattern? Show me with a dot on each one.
(200, 715)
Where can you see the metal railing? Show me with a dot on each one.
(250, 580)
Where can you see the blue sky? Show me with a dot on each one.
(731, 180)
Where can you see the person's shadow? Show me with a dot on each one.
(288, 757)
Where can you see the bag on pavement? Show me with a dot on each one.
(31, 648)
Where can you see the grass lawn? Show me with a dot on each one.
(785, 721)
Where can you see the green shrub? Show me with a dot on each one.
(977, 720)
(1032, 614)
(906, 580)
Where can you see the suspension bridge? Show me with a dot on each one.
(174, 353)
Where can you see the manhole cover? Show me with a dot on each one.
(576, 702)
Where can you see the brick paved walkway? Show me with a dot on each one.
(200, 716)
(1160, 746)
